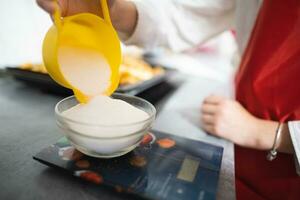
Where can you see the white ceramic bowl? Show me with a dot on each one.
(82, 135)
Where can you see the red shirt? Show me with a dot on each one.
(268, 86)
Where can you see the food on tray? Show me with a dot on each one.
(132, 70)
(34, 67)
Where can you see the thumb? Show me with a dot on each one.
(47, 5)
(50, 5)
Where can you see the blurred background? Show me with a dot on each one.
(24, 24)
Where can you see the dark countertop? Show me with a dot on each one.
(27, 126)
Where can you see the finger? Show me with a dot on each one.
(47, 5)
(213, 99)
(209, 108)
(209, 128)
(208, 119)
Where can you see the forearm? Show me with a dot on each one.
(124, 16)
(228, 119)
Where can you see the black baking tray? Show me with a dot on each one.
(44, 81)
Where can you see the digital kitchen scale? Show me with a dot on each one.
(163, 166)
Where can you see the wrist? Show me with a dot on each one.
(123, 16)
(265, 134)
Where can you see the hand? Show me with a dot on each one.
(228, 119)
(123, 13)
(71, 7)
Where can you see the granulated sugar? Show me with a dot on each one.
(105, 111)
(86, 70)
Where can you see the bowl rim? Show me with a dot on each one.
(102, 137)
(151, 116)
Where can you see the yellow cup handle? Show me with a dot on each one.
(105, 12)
(57, 16)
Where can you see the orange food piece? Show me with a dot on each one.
(92, 177)
(166, 143)
(138, 161)
(119, 188)
(146, 139)
(83, 164)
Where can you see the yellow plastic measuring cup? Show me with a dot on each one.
(86, 31)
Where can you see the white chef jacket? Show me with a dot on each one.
(182, 24)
